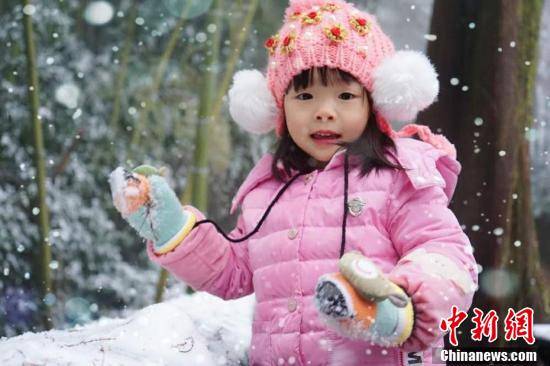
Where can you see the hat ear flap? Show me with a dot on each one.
(251, 103)
(403, 85)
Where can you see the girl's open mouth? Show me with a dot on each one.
(325, 137)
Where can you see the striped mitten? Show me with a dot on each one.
(150, 206)
(361, 303)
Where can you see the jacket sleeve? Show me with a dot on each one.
(436, 266)
(208, 262)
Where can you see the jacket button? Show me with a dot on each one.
(355, 206)
(292, 305)
(292, 233)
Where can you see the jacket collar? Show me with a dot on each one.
(336, 161)
(262, 172)
(433, 166)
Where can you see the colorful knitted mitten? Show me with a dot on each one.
(361, 303)
(150, 206)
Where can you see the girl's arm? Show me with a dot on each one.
(206, 261)
(437, 268)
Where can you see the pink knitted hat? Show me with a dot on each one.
(333, 33)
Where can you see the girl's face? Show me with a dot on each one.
(319, 116)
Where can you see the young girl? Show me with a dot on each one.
(341, 181)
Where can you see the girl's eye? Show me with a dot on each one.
(347, 96)
(304, 96)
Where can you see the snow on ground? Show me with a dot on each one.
(197, 329)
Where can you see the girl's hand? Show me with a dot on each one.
(146, 201)
(361, 303)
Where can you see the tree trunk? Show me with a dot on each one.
(43, 275)
(491, 48)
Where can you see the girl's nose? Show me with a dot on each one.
(324, 113)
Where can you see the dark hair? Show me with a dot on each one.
(370, 147)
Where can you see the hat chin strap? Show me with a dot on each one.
(436, 140)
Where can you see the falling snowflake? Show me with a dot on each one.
(498, 231)
(67, 94)
(99, 12)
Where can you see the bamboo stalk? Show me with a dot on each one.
(123, 71)
(159, 74)
(219, 153)
(200, 168)
(161, 285)
(241, 38)
(44, 276)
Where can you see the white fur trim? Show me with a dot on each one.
(403, 85)
(251, 104)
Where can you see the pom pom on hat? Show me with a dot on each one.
(251, 103)
(403, 85)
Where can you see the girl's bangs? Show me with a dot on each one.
(328, 76)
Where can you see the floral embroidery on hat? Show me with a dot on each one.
(336, 33)
(271, 43)
(361, 25)
(287, 45)
(313, 17)
(296, 15)
(331, 7)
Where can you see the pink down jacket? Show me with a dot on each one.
(405, 227)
